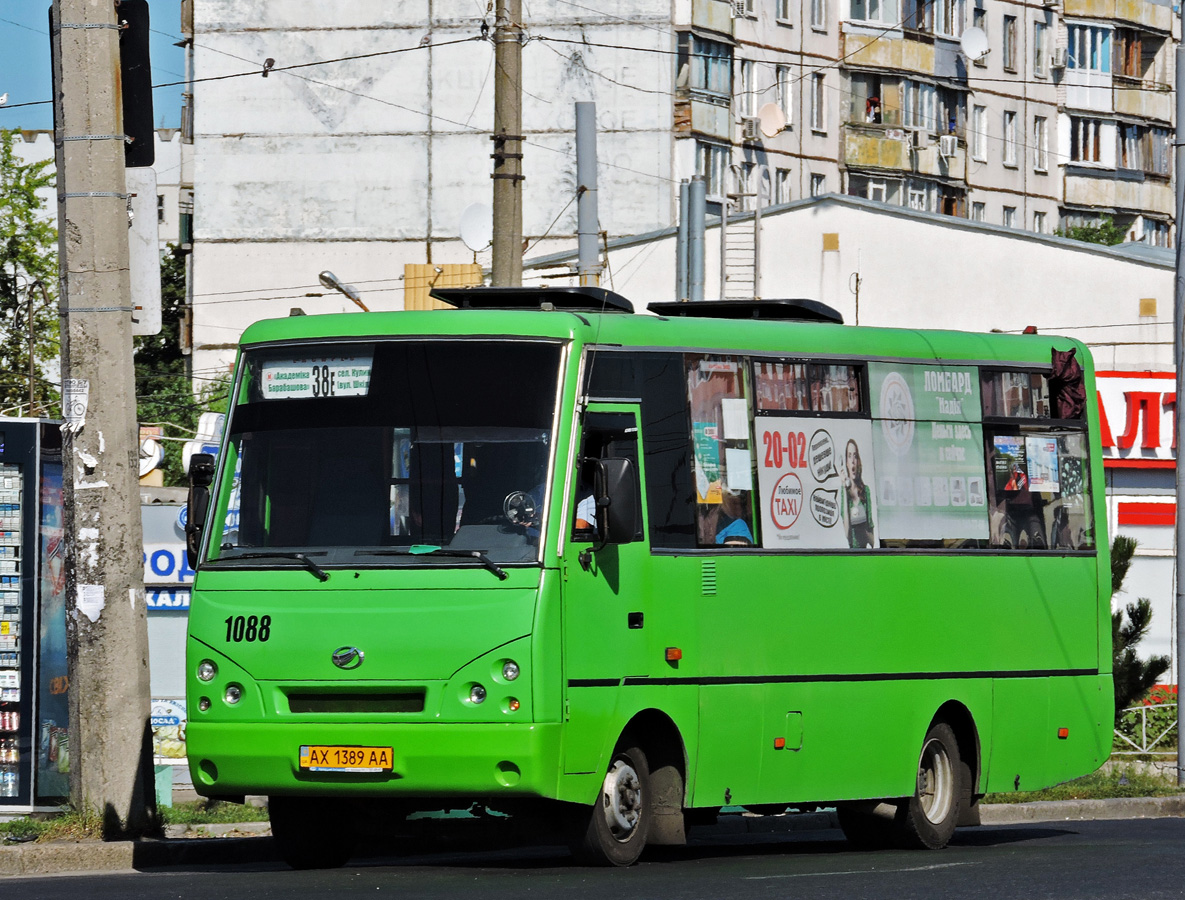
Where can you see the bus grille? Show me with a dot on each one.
(707, 577)
(391, 702)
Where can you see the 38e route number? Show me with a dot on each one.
(249, 629)
(322, 381)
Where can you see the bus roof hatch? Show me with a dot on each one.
(573, 299)
(773, 310)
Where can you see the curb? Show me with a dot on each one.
(250, 842)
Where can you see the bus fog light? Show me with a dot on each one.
(206, 670)
(510, 670)
(234, 694)
(477, 694)
(204, 704)
(512, 705)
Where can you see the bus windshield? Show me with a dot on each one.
(391, 453)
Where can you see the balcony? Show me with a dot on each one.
(870, 147)
(1105, 189)
(713, 15)
(1146, 99)
(864, 46)
(1142, 12)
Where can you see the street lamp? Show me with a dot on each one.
(329, 280)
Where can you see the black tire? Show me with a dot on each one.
(312, 832)
(926, 821)
(868, 824)
(614, 830)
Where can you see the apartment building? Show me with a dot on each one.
(1056, 114)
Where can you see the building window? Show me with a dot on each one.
(1040, 144)
(1129, 53)
(747, 99)
(818, 185)
(1088, 47)
(709, 65)
(1009, 138)
(1009, 216)
(711, 164)
(866, 10)
(818, 108)
(979, 133)
(1040, 49)
(819, 15)
(746, 199)
(1156, 233)
(978, 212)
(785, 92)
(952, 111)
(1010, 43)
(783, 10)
(782, 186)
(1130, 156)
(921, 102)
(948, 17)
(979, 20)
(864, 97)
(1086, 140)
(160, 207)
(1156, 146)
(1039, 223)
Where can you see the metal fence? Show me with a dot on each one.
(1153, 723)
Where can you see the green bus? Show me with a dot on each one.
(548, 554)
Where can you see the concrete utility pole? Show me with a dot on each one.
(507, 269)
(588, 228)
(1179, 362)
(106, 626)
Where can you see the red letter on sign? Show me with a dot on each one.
(1146, 404)
(1104, 426)
(1170, 404)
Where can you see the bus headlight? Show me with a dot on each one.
(206, 670)
(233, 694)
(510, 670)
(477, 694)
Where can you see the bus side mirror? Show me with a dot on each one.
(616, 491)
(201, 474)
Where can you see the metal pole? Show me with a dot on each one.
(757, 205)
(106, 625)
(697, 212)
(587, 228)
(507, 267)
(32, 368)
(723, 247)
(1179, 361)
(681, 273)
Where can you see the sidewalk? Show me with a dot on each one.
(250, 842)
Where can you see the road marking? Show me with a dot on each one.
(861, 871)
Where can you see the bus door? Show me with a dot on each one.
(608, 629)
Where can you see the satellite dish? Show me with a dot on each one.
(477, 226)
(974, 43)
(772, 119)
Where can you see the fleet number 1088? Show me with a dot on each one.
(250, 628)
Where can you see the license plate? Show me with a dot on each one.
(322, 758)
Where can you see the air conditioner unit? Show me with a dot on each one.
(740, 8)
(750, 128)
(1058, 59)
(1049, 2)
(948, 146)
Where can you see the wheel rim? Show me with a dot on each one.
(936, 781)
(621, 800)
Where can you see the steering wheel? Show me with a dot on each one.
(519, 508)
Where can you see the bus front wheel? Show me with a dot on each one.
(614, 831)
(311, 832)
(927, 819)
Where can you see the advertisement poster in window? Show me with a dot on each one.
(928, 446)
(817, 483)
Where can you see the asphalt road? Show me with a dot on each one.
(1140, 859)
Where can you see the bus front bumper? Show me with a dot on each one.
(428, 760)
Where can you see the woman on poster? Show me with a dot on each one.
(856, 502)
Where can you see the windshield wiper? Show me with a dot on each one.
(321, 574)
(433, 550)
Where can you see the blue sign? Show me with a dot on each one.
(168, 598)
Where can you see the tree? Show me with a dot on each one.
(28, 279)
(1134, 677)
(164, 390)
(1106, 232)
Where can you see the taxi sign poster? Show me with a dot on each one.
(817, 483)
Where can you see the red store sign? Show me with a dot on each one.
(1138, 419)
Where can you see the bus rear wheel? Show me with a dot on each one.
(614, 831)
(312, 832)
(927, 819)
